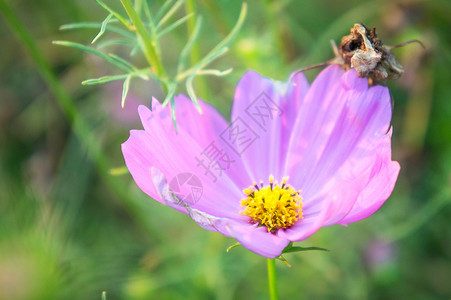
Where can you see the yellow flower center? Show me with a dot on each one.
(274, 206)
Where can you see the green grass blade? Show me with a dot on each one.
(79, 124)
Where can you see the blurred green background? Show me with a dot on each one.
(70, 229)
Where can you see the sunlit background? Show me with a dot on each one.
(72, 224)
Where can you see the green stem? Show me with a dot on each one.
(149, 50)
(272, 279)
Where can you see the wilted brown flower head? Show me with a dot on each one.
(363, 51)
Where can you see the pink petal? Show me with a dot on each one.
(265, 109)
(315, 119)
(333, 146)
(380, 185)
(208, 129)
(201, 127)
(258, 240)
(160, 147)
(333, 205)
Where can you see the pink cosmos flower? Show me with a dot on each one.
(293, 159)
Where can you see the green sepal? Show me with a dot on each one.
(233, 246)
(282, 259)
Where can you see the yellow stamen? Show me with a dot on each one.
(272, 206)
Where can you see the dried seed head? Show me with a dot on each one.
(364, 52)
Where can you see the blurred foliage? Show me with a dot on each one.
(70, 230)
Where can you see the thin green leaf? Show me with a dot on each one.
(163, 9)
(170, 95)
(169, 14)
(174, 25)
(191, 93)
(125, 88)
(186, 50)
(301, 249)
(89, 25)
(104, 79)
(205, 61)
(173, 116)
(115, 14)
(144, 74)
(114, 42)
(110, 58)
(232, 33)
(213, 72)
(120, 60)
(233, 246)
(147, 12)
(104, 295)
(220, 49)
(134, 50)
(208, 59)
(102, 28)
